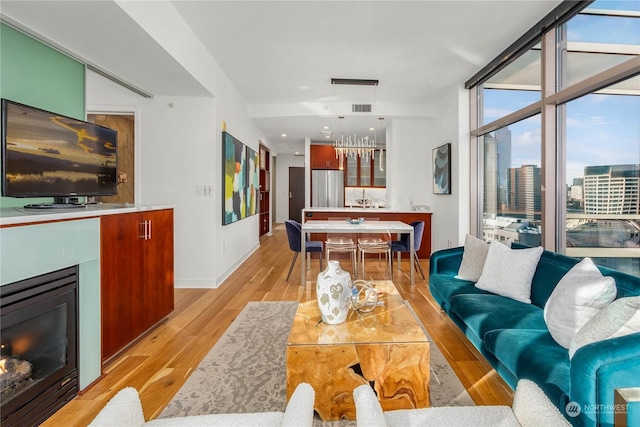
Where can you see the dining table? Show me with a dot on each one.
(355, 227)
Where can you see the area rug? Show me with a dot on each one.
(245, 371)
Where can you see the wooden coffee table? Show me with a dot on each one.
(385, 348)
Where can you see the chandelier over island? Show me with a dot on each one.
(364, 147)
(361, 147)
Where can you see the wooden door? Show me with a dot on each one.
(265, 190)
(296, 193)
(124, 124)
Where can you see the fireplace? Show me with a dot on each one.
(38, 346)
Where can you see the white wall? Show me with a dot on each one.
(409, 169)
(179, 145)
(285, 161)
(409, 163)
(450, 221)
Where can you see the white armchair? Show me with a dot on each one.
(531, 408)
(125, 410)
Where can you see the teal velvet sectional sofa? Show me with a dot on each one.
(514, 338)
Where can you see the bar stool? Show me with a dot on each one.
(341, 244)
(374, 245)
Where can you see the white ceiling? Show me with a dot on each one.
(281, 55)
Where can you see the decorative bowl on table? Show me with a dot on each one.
(355, 220)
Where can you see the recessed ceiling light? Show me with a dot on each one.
(325, 127)
(371, 129)
(327, 136)
(283, 135)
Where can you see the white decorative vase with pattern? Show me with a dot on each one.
(333, 289)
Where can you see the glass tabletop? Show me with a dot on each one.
(391, 322)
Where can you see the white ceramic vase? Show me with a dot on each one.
(333, 289)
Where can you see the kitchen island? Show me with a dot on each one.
(382, 214)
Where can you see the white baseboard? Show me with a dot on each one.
(214, 283)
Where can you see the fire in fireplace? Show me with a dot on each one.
(38, 346)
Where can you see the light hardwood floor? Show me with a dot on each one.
(159, 363)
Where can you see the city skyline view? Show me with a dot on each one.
(596, 136)
(601, 128)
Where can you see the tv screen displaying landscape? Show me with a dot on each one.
(47, 154)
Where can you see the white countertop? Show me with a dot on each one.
(365, 226)
(354, 210)
(20, 215)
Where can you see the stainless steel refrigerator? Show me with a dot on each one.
(327, 189)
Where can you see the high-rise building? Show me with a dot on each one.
(491, 178)
(497, 160)
(612, 189)
(525, 191)
(503, 143)
(575, 192)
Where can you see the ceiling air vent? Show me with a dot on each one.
(360, 108)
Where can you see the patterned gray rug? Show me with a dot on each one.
(245, 370)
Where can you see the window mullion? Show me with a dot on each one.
(551, 178)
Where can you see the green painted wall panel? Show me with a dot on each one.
(30, 250)
(35, 74)
(90, 353)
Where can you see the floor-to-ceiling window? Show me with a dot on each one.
(602, 136)
(557, 139)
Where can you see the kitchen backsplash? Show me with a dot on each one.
(359, 196)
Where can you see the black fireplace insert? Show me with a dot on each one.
(38, 346)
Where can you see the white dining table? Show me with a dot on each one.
(344, 227)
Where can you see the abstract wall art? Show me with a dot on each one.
(234, 158)
(442, 169)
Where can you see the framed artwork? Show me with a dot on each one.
(235, 179)
(441, 157)
(253, 182)
(241, 180)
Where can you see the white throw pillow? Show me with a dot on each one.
(473, 257)
(621, 317)
(577, 297)
(508, 272)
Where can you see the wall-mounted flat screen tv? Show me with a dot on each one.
(45, 154)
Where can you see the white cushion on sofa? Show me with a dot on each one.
(473, 257)
(508, 272)
(577, 297)
(621, 317)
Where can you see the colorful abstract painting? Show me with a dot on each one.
(253, 181)
(241, 166)
(235, 179)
